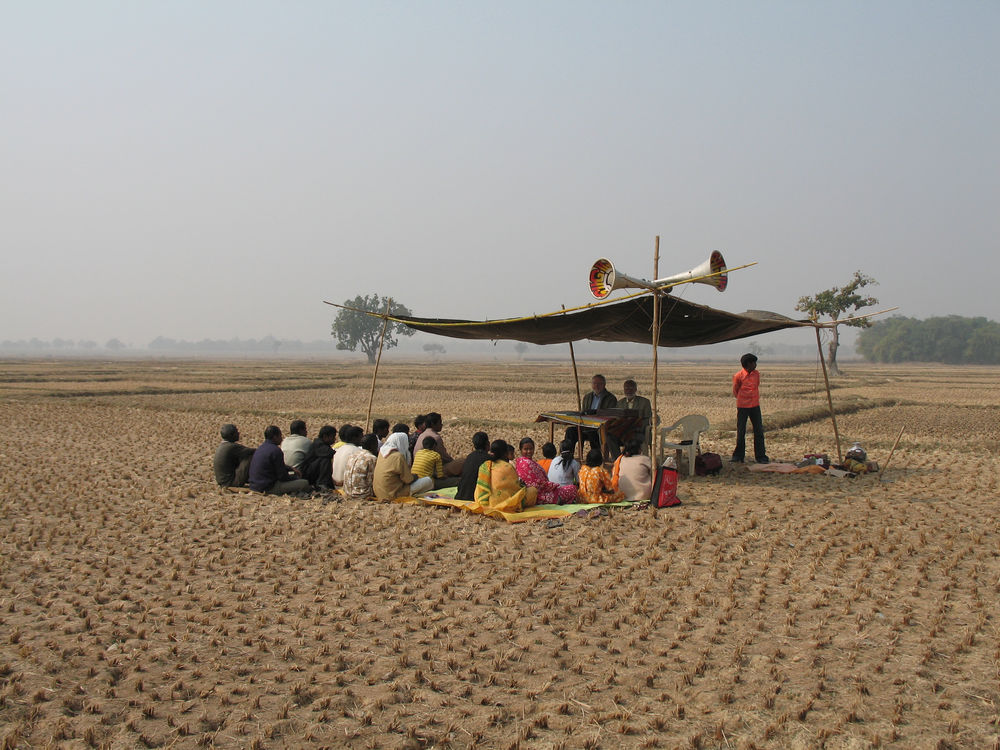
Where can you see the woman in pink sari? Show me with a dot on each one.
(533, 475)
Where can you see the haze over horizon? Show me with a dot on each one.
(217, 170)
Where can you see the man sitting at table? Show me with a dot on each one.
(642, 431)
(598, 398)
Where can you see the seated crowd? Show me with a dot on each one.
(402, 463)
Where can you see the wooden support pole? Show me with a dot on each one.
(829, 398)
(579, 402)
(371, 396)
(654, 431)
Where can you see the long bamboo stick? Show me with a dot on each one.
(579, 400)
(381, 341)
(894, 445)
(654, 436)
(829, 398)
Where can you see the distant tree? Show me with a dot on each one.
(951, 339)
(355, 329)
(755, 348)
(433, 349)
(520, 347)
(833, 303)
(114, 345)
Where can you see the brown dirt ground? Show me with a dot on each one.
(141, 606)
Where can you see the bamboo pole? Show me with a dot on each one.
(371, 396)
(894, 446)
(579, 400)
(829, 398)
(654, 432)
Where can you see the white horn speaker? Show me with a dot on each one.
(715, 265)
(604, 279)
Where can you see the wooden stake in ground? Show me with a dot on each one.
(890, 454)
(829, 398)
(654, 437)
(371, 396)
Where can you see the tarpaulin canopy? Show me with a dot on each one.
(681, 324)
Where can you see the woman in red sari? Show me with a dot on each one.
(533, 475)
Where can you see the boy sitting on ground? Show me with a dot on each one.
(427, 463)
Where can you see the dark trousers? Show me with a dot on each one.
(242, 472)
(594, 438)
(589, 435)
(318, 470)
(753, 414)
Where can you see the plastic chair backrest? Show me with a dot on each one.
(691, 426)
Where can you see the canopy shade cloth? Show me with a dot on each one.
(681, 324)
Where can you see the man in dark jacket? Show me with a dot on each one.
(598, 398)
(232, 460)
(268, 471)
(318, 464)
(470, 470)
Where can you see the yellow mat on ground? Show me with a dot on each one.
(445, 498)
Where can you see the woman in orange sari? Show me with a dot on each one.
(596, 485)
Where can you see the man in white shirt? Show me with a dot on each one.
(296, 446)
(351, 435)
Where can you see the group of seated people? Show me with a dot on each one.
(359, 465)
(506, 482)
(386, 465)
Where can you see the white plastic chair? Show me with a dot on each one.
(691, 428)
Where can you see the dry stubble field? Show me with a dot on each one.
(142, 607)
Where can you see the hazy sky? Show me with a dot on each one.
(218, 169)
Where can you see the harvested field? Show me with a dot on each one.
(140, 606)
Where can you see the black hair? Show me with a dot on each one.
(353, 436)
(271, 432)
(420, 420)
(549, 450)
(594, 457)
(632, 447)
(370, 442)
(400, 427)
(428, 443)
(229, 433)
(499, 449)
(297, 427)
(327, 431)
(481, 441)
(748, 359)
(525, 441)
(566, 450)
(380, 424)
(431, 419)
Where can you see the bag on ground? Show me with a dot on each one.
(665, 488)
(707, 463)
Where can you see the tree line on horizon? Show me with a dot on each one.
(950, 339)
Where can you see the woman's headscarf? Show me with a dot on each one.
(397, 441)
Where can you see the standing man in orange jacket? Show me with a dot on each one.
(746, 390)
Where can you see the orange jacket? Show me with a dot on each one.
(746, 389)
